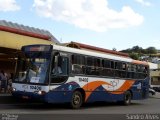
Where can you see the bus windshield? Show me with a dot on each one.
(33, 68)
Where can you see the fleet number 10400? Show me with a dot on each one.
(35, 87)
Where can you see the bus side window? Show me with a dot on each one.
(129, 71)
(78, 63)
(107, 70)
(76, 69)
(63, 64)
(95, 69)
(89, 65)
(123, 66)
(59, 65)
(123, 71)
(59, 72)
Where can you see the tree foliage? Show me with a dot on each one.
(134, 56)
(151, 50)
(136, 52)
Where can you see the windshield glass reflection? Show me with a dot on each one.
(32, 69)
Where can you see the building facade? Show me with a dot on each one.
(155, 77)
(13, 36)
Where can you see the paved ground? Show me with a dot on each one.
(151, 105)
(92, 111)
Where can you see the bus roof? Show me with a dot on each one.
(97, 54)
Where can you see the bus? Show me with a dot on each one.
(59, 74)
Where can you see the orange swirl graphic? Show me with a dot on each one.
(90, 87)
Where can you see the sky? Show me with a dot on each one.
(108, 24)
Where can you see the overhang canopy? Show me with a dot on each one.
(16, 41)
(14, 36)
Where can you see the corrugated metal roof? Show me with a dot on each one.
(28, 29)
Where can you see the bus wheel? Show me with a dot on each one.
(76, 101)
(127, 98)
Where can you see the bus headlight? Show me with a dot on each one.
(41, 92)
(13, 89)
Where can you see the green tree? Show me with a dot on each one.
(134, 56)
(137, 49)
(151, 50)
(126, 51)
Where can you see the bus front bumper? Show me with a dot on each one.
(28, 96)
(50, 97)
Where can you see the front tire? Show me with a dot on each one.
(77, 100)
(127, 98)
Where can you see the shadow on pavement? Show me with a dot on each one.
(25, 104)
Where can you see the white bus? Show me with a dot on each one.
(58, 74)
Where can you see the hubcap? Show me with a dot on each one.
(76, 99)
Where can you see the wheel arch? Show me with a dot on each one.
(82, 92)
